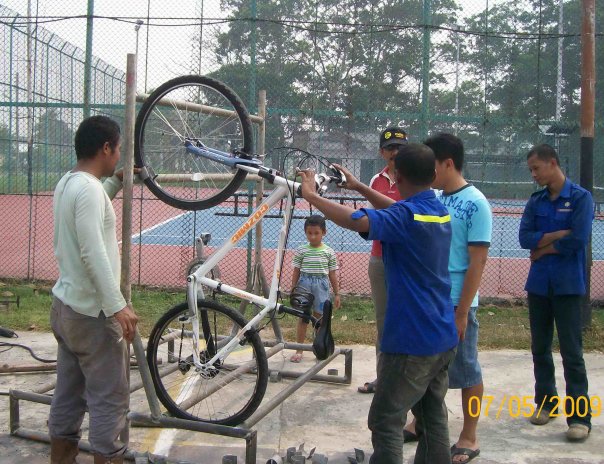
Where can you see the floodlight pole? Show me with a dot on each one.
(588, 97)
(88, 58)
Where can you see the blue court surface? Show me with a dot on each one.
(219, 221)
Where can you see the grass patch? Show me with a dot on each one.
(354, 323)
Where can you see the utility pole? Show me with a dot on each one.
(588, 97)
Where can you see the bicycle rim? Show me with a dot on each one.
(201, 110)
(232, 392)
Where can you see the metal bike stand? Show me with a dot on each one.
(302, 378)
(155, 419)
(278, 346)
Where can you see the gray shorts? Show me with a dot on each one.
(318, 285)
(464, 371)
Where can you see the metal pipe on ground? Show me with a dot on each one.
(263, 410)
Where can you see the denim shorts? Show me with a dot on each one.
(464, 371)
(318, 285)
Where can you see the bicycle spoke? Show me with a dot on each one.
(230, 391)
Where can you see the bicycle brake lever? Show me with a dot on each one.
(338, 176)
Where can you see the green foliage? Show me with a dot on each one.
(53, 144)
(353, 323)
(328, 64)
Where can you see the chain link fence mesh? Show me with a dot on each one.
(503, 76)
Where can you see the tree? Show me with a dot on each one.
(53, 144)
(332, 65)
(8, 148)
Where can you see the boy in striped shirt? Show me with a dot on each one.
(315, 266)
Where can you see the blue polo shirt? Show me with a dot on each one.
(562, 273)
(416, 236)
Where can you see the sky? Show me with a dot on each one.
(170, 47)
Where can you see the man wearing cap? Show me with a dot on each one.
(385, 183)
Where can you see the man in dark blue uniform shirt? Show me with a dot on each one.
(420, 336)
(555, 226)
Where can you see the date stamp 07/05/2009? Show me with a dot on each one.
(524, 406)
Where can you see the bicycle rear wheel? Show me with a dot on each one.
(201, 110)
(227, 395)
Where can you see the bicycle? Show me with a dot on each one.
(217, 373)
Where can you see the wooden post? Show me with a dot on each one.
(128, 178)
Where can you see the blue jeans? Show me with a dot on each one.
(565, 311)
(417, 383)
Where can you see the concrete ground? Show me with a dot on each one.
(332, 418)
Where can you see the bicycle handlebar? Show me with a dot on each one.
(322, 180)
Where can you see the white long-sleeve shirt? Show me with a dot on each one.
(85, 244)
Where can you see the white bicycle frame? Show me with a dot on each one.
(196, 281)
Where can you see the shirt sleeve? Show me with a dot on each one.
(387, 225)
(333, 261)
(481, 226)
(298, 257)
(89, 219)
(581, 222)
(112, 185)
(528, 234)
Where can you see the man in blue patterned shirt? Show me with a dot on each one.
(556, 225)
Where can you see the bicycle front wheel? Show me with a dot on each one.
(226, 395)
(205, 112)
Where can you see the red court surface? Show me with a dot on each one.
(26, 253)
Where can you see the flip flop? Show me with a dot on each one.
(367, 387)
(410, 436)
(296, 358)
(470, 453)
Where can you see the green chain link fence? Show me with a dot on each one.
(502, 76)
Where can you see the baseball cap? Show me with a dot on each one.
(393, 136)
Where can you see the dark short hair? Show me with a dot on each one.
(447, 146)
(544, 152)
(93, 133)
(315, 220)
(415, 162)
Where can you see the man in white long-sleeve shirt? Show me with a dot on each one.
(90, 318)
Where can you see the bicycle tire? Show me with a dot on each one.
(179, 386)
(171, 114)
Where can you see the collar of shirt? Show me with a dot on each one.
(564, 193)
(384, 173)
(423, 195)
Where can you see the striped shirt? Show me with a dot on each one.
(315, 261)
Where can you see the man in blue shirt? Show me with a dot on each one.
(420, 336)
(471, 222)
(555, 226)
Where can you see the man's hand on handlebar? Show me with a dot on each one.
(308, 184)
(351, 183)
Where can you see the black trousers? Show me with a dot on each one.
(565, 311)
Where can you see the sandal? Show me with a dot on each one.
(296, 357)
(468, 452)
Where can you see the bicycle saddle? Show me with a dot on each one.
(323, 345)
